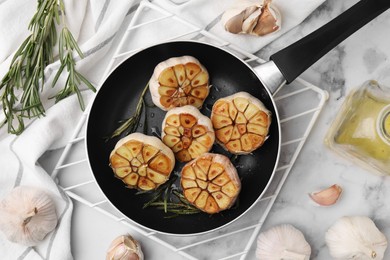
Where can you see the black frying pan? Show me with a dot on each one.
(117, 99)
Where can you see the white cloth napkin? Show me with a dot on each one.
(94, 24)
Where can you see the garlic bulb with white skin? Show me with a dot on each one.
(241, 122)
(355, 237)
(27, 215)
(252, 17)
(124, 248)
(187, 132)
(179, 81)
(211, 183)
(142, 162)
(282, 242)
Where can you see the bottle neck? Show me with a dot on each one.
(383, 124)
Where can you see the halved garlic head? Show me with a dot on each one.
(255, 18)
(241, 122)
(187, 132)
(179, 81)
(210, 183)
(142, 162)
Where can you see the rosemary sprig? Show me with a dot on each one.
(132, 123)
(67, 45)
(21, 85)
(163, 199)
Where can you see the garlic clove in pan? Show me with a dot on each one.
(27, 215)
(142, 162)
(210, 183)
(355, 237)
(328, 196)
(249, 17)
(187, 132)
(282, 242)
(241, 122)
(124, 248)
(179, 81)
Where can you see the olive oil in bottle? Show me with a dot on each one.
(361, 130)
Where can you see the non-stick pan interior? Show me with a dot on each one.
(117, 99)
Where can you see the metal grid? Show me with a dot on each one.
(299, 105)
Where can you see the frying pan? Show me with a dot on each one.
(117, 99)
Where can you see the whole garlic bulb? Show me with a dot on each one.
(187, 132)
(142, 162)
(355, 237)
(27, 215)
(210, 182)
(241, 122)
(282, 242)
(179, 81)
(125, 248)
(249, 17)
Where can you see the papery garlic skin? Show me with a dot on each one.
(125, 248)
(355, 237)
(210, 183)
(187, 132)
(328, 196)
(27, 215)
(252, 17)
(179, 81)
(142, 162)
(241, 122)
(282, 242)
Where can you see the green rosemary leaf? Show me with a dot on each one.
(74, 44)
(86, 82)
(58, 74)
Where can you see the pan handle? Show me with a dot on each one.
(298, 57)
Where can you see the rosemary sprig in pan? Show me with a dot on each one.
(21, 86)
(162, 199)
(132, 123)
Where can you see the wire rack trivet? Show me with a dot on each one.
(299, 105)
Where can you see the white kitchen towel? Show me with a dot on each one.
(94, 24)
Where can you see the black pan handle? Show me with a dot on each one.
(293, 60)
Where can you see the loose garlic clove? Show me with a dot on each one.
(125, 248)
(210, 183)
(356, 237)
(241, 122)
(282, 242)
(328, 196)
(27, 215)
(253, 18)
(187, 132)
(142, 162)
(179, 81)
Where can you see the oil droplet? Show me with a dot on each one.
(216, 88)
(151, 115)
(239, 166)
(212, 97)
(140, 125)
(209, 107)
(156, 132)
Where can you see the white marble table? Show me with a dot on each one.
(363, 56)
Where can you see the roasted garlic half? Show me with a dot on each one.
(248, 17)
(187, 132)
(241, 122)
(179, 81)
(210, 183)
(142, 162)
